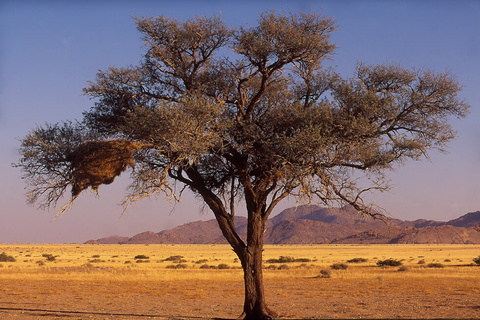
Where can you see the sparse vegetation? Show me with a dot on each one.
(477, 260)
(286, 259)
(49, 257)
(141, 256)
(190, 278)
(339, 266)
(389, 263)
(175, 259)
(357, 260)
(435, 265)
(324, 273)
(6, 258)
(177, 266)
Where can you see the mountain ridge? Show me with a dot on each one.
(312, 224)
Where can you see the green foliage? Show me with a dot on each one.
(6, 258)
(389, 263)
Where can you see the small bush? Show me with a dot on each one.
(141, 256)
(389, 263)
(421, 261)
(283, 267)
(40, 263)
(173, 258)
(324, 274)
(339, 266)
(477, 260)
(177, 266)
(6, 258)
(96, 256)
(435, 265)
(285, 259)
(96, 261)
(357, 260)
(206, 266)
(201, 261)
(48, 256)
(402, 268)
(142, 261)
(447, 260)
(223, 266)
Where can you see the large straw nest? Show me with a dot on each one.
(99, 162)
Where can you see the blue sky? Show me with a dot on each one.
(50, 49)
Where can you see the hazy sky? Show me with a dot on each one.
(50, 49)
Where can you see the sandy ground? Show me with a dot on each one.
(307, 298)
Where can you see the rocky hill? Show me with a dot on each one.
(311, 224)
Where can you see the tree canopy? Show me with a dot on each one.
(243, 113)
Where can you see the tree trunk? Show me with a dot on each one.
(254, 306)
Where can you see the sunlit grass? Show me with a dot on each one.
(89, 277)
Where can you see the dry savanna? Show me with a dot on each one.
(40, 281)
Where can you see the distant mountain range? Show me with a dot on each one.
(311, 224)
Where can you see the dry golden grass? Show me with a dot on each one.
(84, 279)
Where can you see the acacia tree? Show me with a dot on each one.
(243, 114)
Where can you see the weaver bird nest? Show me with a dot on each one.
(100, 162)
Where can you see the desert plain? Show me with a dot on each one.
(71, 281)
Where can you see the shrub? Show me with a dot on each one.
(40, 263)
(435, 265)
(477, 260)
(48, 256)
(201, 261)
(286, 259)
(389, 263)
(402, 268)
(142, 261)
(141, 256)
(324, 274)
(339, 266)
(177, 266)
(96, 261)
(421, 261)
(283, 267)
(96, 256)
(223, 266)
(357, 260)
(173, 258)
(6, 258)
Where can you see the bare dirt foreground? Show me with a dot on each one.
(80, 286)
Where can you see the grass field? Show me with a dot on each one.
(205, 281)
